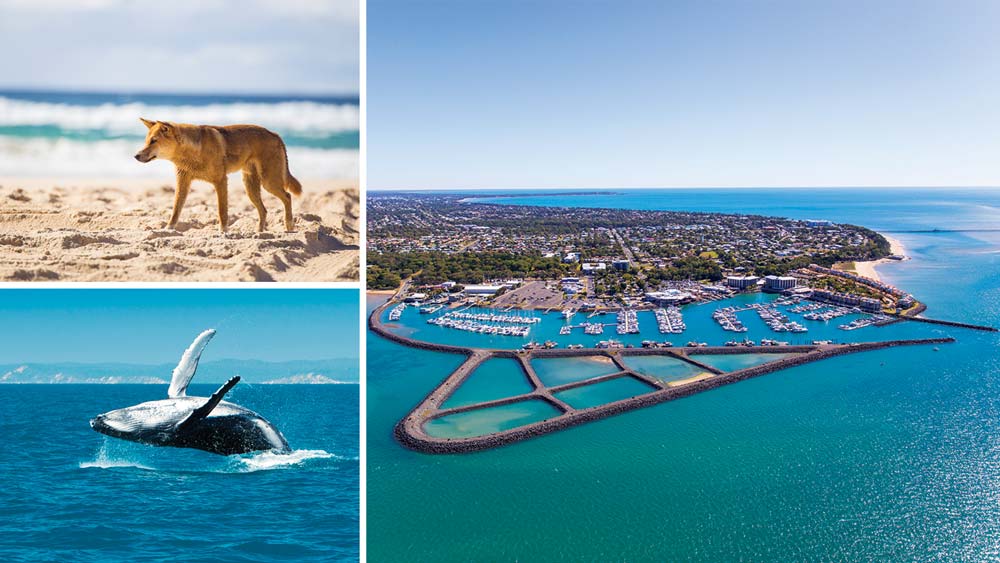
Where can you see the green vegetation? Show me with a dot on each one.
(842, 285)
(380, 278)
(466, 267)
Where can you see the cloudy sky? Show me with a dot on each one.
(217, 46)
(622, 93)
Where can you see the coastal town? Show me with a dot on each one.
(670, 244)
(454, 253)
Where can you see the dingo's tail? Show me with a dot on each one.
(292, 185)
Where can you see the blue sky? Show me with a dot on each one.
(220, 46)
(702, 93)
(152, 326)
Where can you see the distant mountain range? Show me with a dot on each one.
(343, 370)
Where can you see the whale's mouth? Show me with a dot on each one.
(100, 423)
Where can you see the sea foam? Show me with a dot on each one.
(264, 461)
(299, 117)
(41, 157)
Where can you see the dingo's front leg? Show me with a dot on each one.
(222, 192)
(180, 195)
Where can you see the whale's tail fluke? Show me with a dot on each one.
(188, 365)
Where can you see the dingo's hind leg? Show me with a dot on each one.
(274, 182)
(180, 196)
(251, 181)
(222, 192)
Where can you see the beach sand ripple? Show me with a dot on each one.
(116, 231)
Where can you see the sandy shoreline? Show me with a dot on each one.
(385, 292)
(114, 230)
(868, 269)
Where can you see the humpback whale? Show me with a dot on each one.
(204, 423)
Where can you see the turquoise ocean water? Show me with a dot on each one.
(71, 494)
(885, 456)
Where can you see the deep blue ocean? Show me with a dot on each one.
(90, 134)
(71, 494)
(885, 456)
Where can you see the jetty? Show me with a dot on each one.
(946, 323)
(410, 431)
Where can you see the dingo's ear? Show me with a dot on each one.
(149, 124)
(166, 128)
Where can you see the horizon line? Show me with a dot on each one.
(168, 362)
(714, 187)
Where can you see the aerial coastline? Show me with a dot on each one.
(541, 257)
(869, 268)
(504, 272)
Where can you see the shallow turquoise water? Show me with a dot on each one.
(882, 456)
(733, 362)
(604, 392)
(662, 367)
(495, 378)
(488, 420)
(559, 371)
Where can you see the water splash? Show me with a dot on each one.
(264, 461)
(105, 459)
(115, 454)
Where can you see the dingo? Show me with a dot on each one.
(207, 152)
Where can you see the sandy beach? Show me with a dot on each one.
(868, 270)
(115, 230)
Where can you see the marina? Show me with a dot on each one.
(827, 313)
(758, 451)
(873, 320)
(777, 320)
(495, 318)
(726, 317)
(397, 312)
(480, 328)
(628, 322)
(712, 323)
(670, 320)
(431, 427)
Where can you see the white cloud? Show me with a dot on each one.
(286, 46)
(344, 10)
(56, 5)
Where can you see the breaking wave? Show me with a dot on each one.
(42, 157)
(300, 118)
(96, 135)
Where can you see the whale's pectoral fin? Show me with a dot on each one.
(188, 365)
(212, 402)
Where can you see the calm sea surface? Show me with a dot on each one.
(71, 494)
(885, 456)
